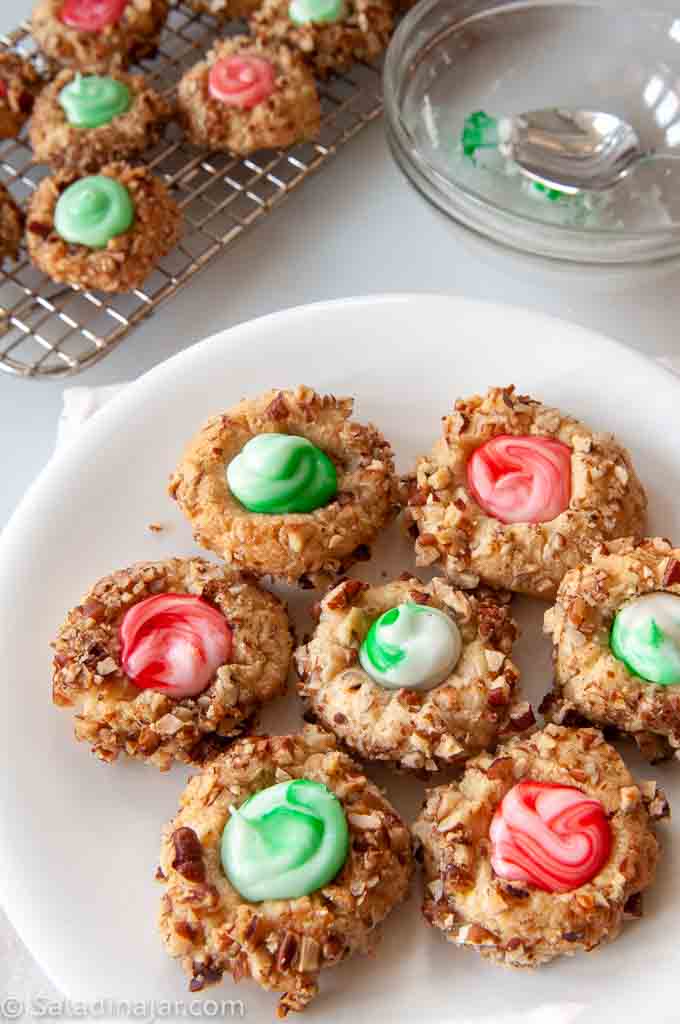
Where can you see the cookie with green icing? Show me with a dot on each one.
(105, 231)
(287, 484)
(83, 122)
(414, 673)
(331, 34)
(283, 859)
(616, 635)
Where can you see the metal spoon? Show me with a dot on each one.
(573, 150)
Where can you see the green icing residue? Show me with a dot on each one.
(480, 131)
(552, 194)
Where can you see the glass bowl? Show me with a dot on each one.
(451, 58)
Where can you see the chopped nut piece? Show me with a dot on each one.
(188, 860)
(630, 798)
(309, 955)
(106, 667)
(365, 821)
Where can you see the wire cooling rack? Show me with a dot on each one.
(49, 330)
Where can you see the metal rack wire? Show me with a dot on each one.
(49, 330)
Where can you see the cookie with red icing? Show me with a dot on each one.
(540, 849)
(247, 95)
(98, 35)
(515, 493)
(170, 660)
(330, 34)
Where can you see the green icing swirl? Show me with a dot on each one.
(411, 647)
(93, 101)
(645, 636)
(302, 12)
(94, 210)
(285, 842)
(282, 473)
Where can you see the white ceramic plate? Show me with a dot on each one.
(79, 839)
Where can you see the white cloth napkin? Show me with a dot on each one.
(79, 404)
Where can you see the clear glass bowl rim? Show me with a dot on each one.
(474, 210)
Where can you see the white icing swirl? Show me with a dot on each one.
(411, 647)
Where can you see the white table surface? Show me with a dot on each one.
(356, 227)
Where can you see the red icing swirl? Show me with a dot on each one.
(521, 479)
(3, 89)
(174, 643)
(91, 15)
(242, 81)
(553, 837)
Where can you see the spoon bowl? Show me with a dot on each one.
(573, 150)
